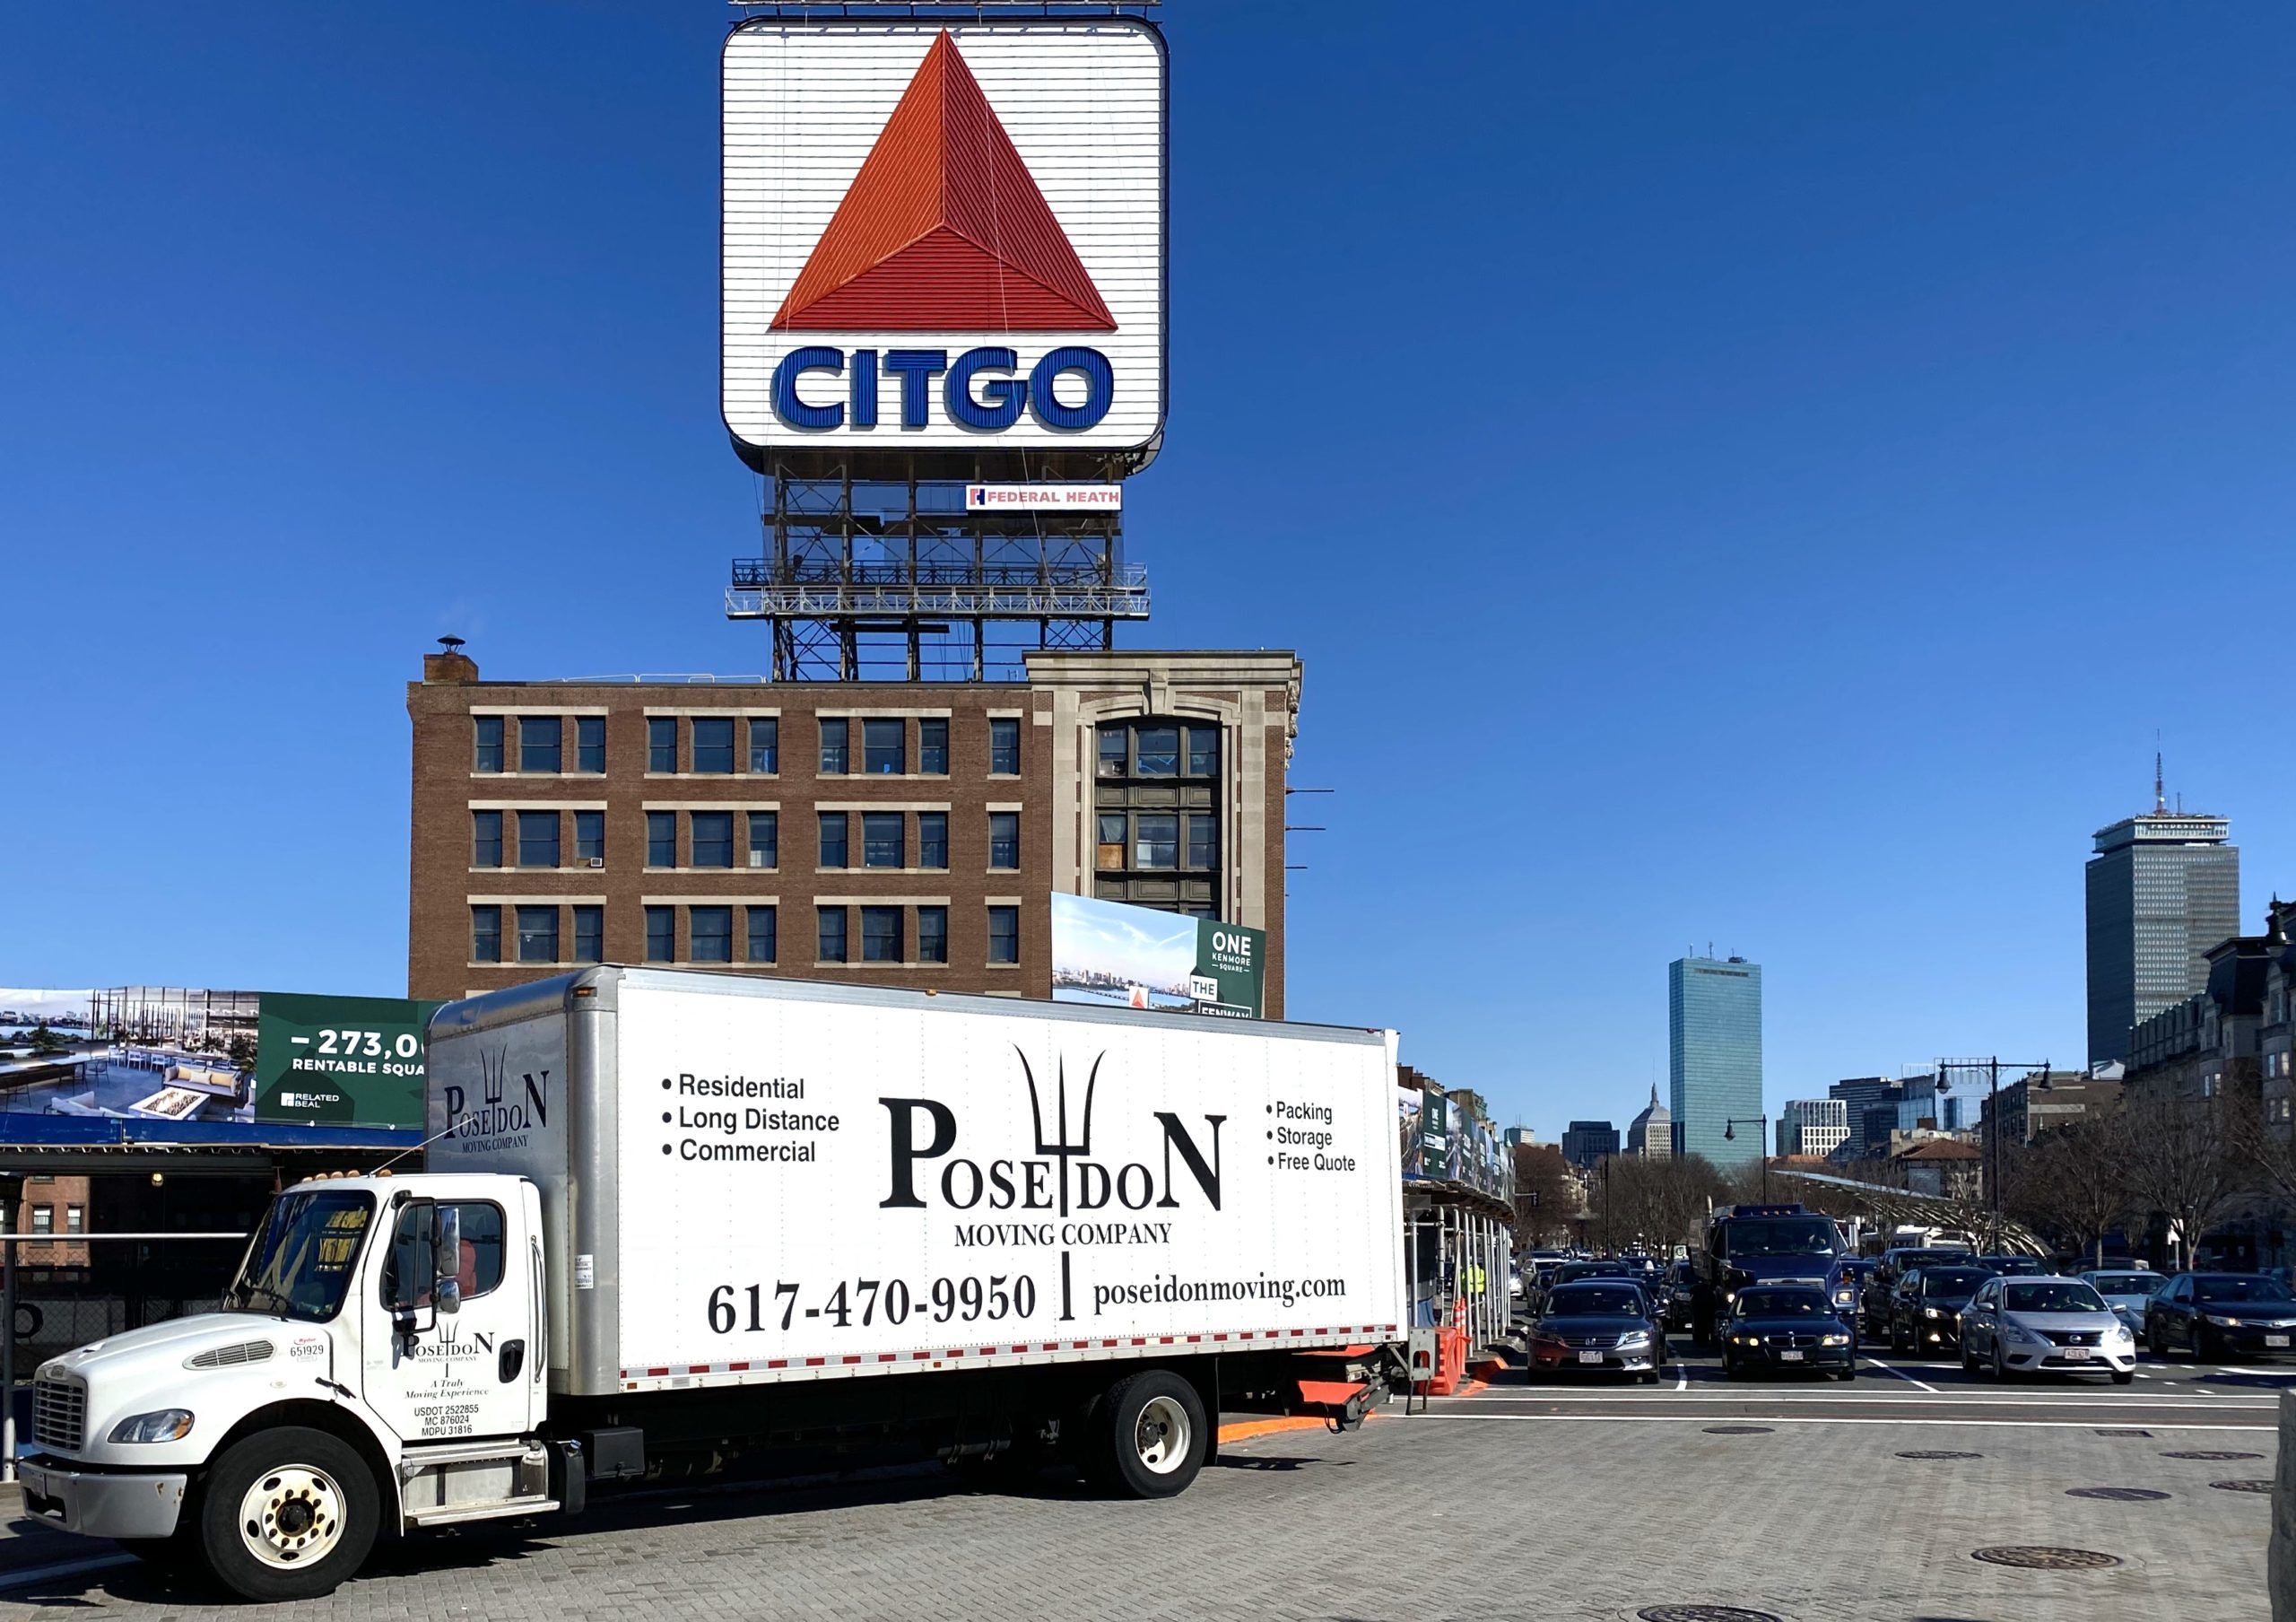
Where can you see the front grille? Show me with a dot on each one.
(59, 1412)
(1787, 1341)
(2075, 1337)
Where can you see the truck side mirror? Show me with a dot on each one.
(447, 1249)
(412, 1271)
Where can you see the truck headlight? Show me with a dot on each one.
(1841, 1297)
(162, 1425)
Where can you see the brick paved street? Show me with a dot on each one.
(1492, 1507)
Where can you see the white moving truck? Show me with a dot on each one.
(675, 1221)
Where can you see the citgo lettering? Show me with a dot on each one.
(978, 392)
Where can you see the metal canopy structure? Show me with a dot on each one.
(869, 577)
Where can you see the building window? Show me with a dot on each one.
(489, 757)
(76, 1219)
(1156, 816)
(1204, 752)
(661, 935)
(765, 745)
(661, 743)
(486, 935)
(1203, 841)
(828, 931)
(835, 757)
(884, 747)
(1156, 752)
(1004, 745)
(1156, 840)
(764, 941)
(765, 839)
(1111, 845)
(881, 934)
(589, 934)
(1113, 758)
(539, 740)
(590, 743)
(713, 839)
(932, 839)
(486, 839)
(933, 934)
(709, 934)
(713, 746)
(661, 838)
(589, 836)
(933, 748)
(1004, 840)
(538, 839)
(537, 934)
(833, 839)
(1004, 935)
(881, 838)
(43, 1219)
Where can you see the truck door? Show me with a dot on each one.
(445, 1364)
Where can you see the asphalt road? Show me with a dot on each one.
(1879, 1501)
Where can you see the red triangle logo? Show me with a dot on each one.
(944, 229)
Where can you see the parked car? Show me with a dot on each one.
(2219, 1317)
(1926, 1312)
(2025, 1325)
(1788, 1329)
(2128, 1291)
(1600, 1326)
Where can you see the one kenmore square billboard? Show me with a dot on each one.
(943, 238)
(172, 1056)
(1111, 952)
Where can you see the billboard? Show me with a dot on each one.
(1109, 952)
(174, 1056)
(940, 238)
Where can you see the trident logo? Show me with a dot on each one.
(1060, 1147)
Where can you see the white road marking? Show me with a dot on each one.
(1901, 1374)
(1853, 1399)
(1681, 1381)
(2079, 1424)
(2258, 1373)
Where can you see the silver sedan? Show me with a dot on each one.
(2024, 1326)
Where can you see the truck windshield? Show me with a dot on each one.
(301, 1263)
(1779, 1236)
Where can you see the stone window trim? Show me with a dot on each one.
(541, 805)
(539, 709)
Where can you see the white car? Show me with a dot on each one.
(2025, 1326)
(2128, 1291)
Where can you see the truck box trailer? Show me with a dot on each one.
(675, 1221)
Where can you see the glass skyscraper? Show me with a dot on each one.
(2163, 890)
(1714, 1063)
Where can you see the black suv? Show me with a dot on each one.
(1877, 1302)
(1926, 1314)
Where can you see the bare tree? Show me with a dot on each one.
(1547, 1197)
(2182, 1163)
(2077, 1183)
(1654, 1203)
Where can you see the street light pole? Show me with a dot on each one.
(1762, 1144)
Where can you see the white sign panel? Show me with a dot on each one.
(835, 1185)
(943, 237)
(1024, 498)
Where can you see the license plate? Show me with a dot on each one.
(1789, 1356)
(2076, 1354)
(1590, 1357)
(2275, 1340)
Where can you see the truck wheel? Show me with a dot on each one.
(288, 1514)
(1151, 1437)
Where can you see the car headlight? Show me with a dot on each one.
(2224, 1324)
(1833, 1341)
(1635, 1338)
(1744, 1340)
(1931, 1312)
(1730, 1297)
(2121, 1331)
(162, 1425)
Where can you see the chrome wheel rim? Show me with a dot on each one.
(291, 1517)
(1161, 1438)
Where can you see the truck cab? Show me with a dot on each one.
(377, 1361)
(1781, 1244)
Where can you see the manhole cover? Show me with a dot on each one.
(2242, 1486)
(1701, 1613)
(2034, 1556)
(2214, 1456)
(2124, 1432)
(1740, 1430)
(1933, 1453)
(2118, 1495)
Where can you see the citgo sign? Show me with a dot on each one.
(935, 235)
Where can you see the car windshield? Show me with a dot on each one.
(2056, 1296)
(1781, 1303)
(2237, 1287)
(1595, 1270)
(301, 1263)
(2126, 1284)
(1779, 1236)
(1953, 1280)
(2013, 1265)
(1594, 1301)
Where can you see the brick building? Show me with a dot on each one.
(57, 1205)
(891, 833)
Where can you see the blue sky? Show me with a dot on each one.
(1748, 473)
